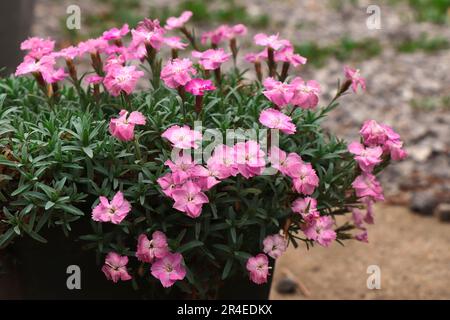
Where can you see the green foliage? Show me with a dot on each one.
(431, 103)
(436, 11)
(55, 161)
(424, 43)
(346, 49)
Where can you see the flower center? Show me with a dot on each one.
(261, 267)
(168, 267)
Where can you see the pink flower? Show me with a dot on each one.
(369, 217)
(177, 72)
(113, 212)
(256, 57)
(149, 25)
(54, 75)
(114, 49)
(306, 94)
(177, 23)
(394, 147)
(114, 61)
(362, 236)
(287, 55)
(205, 177)
(367, 158)
(167, 184)
(68, 53)
(249, 158)
(274, 245)
(148, 33)
(304, 178)
(271, 41)
(182, 137)
(275, 119)
(284, 163)
(30, 65)
(143, 36)
(208, 176)
(92, 46)
(189, 199)
(215, 36)
(223, 32)
(115, 267)
(234, 31)
(115, 33)
(169, 269)
(366, 185)
(137, 52)
(37, 47)
(258, 268)
(278, 92)
(320, 230)
(358, 218)
(197, 87)
(211, 59)
(307, 208)
(375, 134)
(355, 76)
(181, 169)
(222, 162)
(149, 250)
(122, 79)
(123, 127)
(175, 43)
(93, 79)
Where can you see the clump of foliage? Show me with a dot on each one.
(424, 43)
(436, 11)
(345, 49)
(101, 152)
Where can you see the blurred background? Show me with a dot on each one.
(406, 62)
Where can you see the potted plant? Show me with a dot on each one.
(175, 177)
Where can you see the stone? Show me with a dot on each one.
(442, 212)
(286, 286)
(423, 202)
(420, 153)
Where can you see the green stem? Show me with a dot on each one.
(190, 37)
(137, 148)
(182, 93)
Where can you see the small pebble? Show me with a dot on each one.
(286, 286)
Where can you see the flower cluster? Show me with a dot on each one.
(379, 140)
(166, 266)
(298, 93)
(258, 266)
(187, 181)
(185, 90)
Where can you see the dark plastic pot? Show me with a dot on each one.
(240, 288)
(41, 271)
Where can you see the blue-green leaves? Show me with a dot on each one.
(56, 162)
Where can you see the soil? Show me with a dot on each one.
(412, 252)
